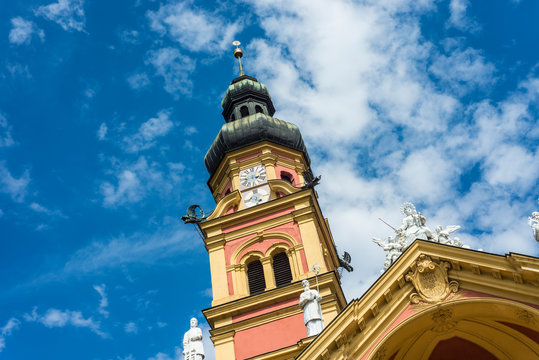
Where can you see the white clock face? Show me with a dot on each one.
(253, 176)
(256, 196)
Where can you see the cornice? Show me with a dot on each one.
(255, 212)
(290, 291)
(286, 353)
(229, 160)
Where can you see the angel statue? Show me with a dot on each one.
(533, 221)
(393, 246)
(442, 235)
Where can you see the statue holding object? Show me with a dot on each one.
(309, 302)
(193, 349)
(412, 228)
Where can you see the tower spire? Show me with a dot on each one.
(238, 53)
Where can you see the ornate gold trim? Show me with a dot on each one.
(430, 280)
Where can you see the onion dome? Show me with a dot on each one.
(246, 96)
(248, 111)
(252, 129)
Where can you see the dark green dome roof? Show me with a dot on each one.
(250, 130)
(245, 88)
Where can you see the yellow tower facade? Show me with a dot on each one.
(266, 234)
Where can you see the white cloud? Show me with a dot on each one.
(12, 324)
(61, 318)
(138, 81)
(19, 70)
(128, 189)
(129, 36)
(174, 68)
(128, 357)
(148, 132)
(382, 130)
(458, 18)
(160, 356)
(131, 328)
(5, 132)
(104, 301)
(145, 248)
(22, 31)
(102, 131)
(463, 69)
(46, 211)
(512, 165)
(69, 14)
(194, 28)
(14, 187)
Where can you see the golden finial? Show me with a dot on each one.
(238, 53)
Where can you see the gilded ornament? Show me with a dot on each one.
(380, 354)
(442, 320)
(526, 317)
(430, 281)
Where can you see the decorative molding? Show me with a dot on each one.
(430, 280)
(526, 317)
(442, 319)
(325, 354)
(388, 295)
(380, 354)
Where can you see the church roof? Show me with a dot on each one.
(250, 130)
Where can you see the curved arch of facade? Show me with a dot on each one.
(276, 248)
(251, 256)
(242, 251)
(476, 320)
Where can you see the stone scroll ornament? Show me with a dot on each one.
(430, 281)
(412, 228)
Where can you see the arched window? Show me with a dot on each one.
(255, 277)
(258, 109)
(281, 269)
(287, 177)
(244, 111)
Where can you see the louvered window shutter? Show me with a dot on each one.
(255, 277)
(281, 269)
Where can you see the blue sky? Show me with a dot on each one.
(107, 110)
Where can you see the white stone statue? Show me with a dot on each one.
(533, 221)
(309, 302)
(412, 228)
(413, 225)
(442, 235)
(193, 349)
(393, 246)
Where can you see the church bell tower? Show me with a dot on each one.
(267, 232)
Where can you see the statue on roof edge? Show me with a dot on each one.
(412, 228)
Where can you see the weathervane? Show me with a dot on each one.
(238, 53)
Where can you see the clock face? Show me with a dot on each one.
(253, 176)
(256, 196)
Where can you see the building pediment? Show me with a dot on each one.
(438, 295)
